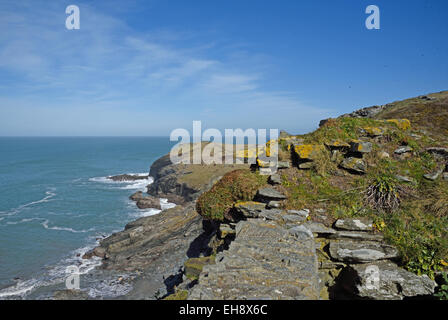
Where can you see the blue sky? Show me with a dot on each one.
(148, 67)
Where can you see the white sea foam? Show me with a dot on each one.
(164, 204)
(127, 184)
(48, 197)
(56, 274)
(46, 226)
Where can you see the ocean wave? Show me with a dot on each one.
(46, 226)
(48, 197)
(55, 275)
(128, 184)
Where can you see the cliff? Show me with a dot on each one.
(366, 191)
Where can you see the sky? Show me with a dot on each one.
(147, 67)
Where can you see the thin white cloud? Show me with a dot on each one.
(108, 72)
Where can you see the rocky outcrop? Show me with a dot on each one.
(251, 269)
(384, 280)
(127, 177)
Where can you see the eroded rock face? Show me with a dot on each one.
(359, 252)
(384, 280)
(265, 261)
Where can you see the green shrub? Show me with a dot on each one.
(238, 185)
(442, 292)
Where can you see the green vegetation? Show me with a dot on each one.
(413, 215)
(237, 185)
(442, 293)
(179, 295)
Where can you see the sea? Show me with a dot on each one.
(56, 203)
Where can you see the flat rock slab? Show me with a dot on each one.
(265, 261)
(319, 228)
(359, 252)
(355, 235)
(249, 209)
(354, 224)
(384, 280)
(268, 194)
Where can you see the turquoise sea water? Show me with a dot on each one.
(55, 202)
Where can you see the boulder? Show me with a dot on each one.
(308, 151)
(149, 202)
(354, 224)
(362, 251)
(275, 179)
(301, 232)
(445, 176)
(384, 280)
(267, 194)
(249, 209)
(360, 146)
(354, 165)
(136, 196)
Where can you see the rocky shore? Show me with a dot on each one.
(269, 246)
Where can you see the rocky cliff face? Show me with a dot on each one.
(153, 249)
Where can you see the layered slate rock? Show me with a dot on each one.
(359, 252)
(249, 209)
(356, 224)
(384, 280)
(354, 235)
(354, 165)
(265, 261)
(269, 194)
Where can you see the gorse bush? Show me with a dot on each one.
(238, 185)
